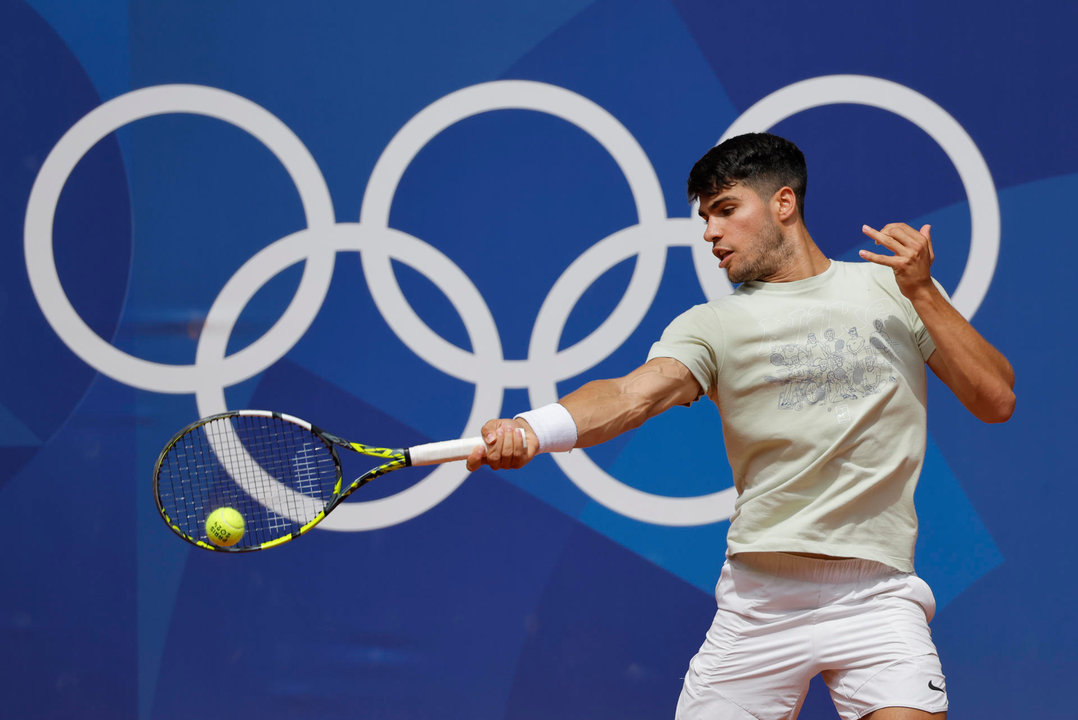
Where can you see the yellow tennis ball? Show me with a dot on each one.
(224, 527)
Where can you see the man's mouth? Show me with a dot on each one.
(722, 254)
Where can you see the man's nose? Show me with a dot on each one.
(712, 232)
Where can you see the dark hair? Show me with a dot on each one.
(761, 161)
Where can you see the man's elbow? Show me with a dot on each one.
(999, 408)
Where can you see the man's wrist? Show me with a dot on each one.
(553, 426)
(926, 296)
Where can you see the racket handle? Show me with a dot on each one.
(448, 450)
(445, 451)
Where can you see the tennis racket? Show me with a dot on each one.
(280, 473)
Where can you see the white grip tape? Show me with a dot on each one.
(553, 425)
(449, 450)
(438, 452)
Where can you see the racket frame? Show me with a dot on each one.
(396, 458)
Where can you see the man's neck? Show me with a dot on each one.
(805, 260)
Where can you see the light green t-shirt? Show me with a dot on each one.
(821, 387)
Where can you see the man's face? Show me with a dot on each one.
(743, 234)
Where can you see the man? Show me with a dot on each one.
(819, 573)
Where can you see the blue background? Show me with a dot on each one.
(517, 596)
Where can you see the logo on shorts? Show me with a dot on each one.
(941, 688)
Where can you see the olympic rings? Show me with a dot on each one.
(377, 244)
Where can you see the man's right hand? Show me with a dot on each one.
(509, 443)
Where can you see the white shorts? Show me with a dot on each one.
(782, 619)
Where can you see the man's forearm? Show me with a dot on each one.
(603, 409)
(978, 374)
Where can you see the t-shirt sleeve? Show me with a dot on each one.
(885, 279)
(695, 339)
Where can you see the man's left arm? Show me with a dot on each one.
(977, 373)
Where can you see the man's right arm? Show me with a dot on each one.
(601, 410)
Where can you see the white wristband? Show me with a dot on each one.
(553, 426)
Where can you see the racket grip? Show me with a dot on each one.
(448, 450)
(445, 451)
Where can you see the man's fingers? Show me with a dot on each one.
(871, 232)
(505, 442)
(883, 238)
(515, 445)
(899, 233)
(912, 257)
(506, 445)
(475, 460)
(888, 260)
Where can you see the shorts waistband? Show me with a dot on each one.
(799, 567)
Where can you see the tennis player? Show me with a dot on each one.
(817, 368)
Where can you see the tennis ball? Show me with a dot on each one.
(224, 527)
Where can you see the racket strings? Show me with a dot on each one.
(277, 475)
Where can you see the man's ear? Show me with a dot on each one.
(784, 202)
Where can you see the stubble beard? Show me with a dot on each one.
(771, 254)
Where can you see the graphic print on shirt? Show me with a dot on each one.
(832, 370)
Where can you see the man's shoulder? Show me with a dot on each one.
(703, 312)
(862, 269)
(872, 273)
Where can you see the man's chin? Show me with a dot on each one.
(736, 278)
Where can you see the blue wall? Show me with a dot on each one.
(399, 219)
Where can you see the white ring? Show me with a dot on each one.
(61, 162)
(940, 126)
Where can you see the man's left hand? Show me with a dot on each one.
(912, 259)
